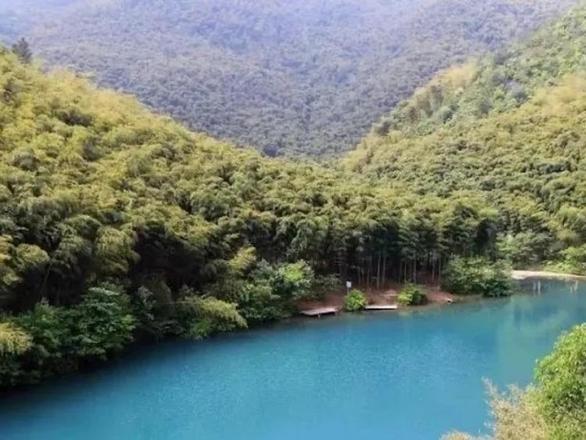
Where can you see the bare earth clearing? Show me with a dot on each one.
(388, 295)
(384, 296)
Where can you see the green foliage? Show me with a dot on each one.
(52, 351)
(102, 189)
(153, 320)
(324, 284)
(524, 248)
(412, 295)
(515, 416)
(203, 317)
(206, 238)
(293, 280)
(523, 156)
(249, 77)
(495, 84)
(259, 303)
(8, 275)
(22, 50)
(477, 276)
(355, 301)
(561, 378)
(271, 292)
(13, 340)
(102, 324)
(571, 260)
(58, 339)
(555, 408)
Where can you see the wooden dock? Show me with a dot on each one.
(381, 307)
(317, 313)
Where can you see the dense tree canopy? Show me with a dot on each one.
(116, 223)
(511, 127)
(288, 77)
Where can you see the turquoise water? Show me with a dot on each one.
(385, 376)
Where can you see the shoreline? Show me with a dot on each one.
(527, 274)
(384, 297)
(438, 299)
(436, 296)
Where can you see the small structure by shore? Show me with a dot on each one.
(386, 299)
(319, 312)
(380, 307)
(379, 300)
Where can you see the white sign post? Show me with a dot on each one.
(348, 286)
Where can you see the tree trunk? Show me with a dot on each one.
(378, 272)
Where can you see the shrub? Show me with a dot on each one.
(13, 340)
(258, 303)
(101, 324)
(469, 276)
(322, 285)
(572, 260)
(524, 248)
(354, 301)
(271, 291)
(555, 409)
(293, 280)
(203, 317)
(151, 320)
(52, 340)
(515, 415)
(412, 295)
(561, 378)
(52, 348)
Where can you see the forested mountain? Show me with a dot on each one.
(512, 127)
(288, 77)
(116, 223)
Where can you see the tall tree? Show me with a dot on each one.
(23, 50)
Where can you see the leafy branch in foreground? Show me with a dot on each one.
(553, 409)
(561, 378)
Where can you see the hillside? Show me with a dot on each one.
(120, 227)
(511, 127)
(286, 77)
(118, 224)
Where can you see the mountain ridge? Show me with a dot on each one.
(297, 79)
(119, 224)
(510, 126)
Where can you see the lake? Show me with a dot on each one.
(389, 376)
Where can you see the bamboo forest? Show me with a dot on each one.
(416, 168)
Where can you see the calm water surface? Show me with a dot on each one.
(385, 376)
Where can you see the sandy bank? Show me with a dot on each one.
(524, 274)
